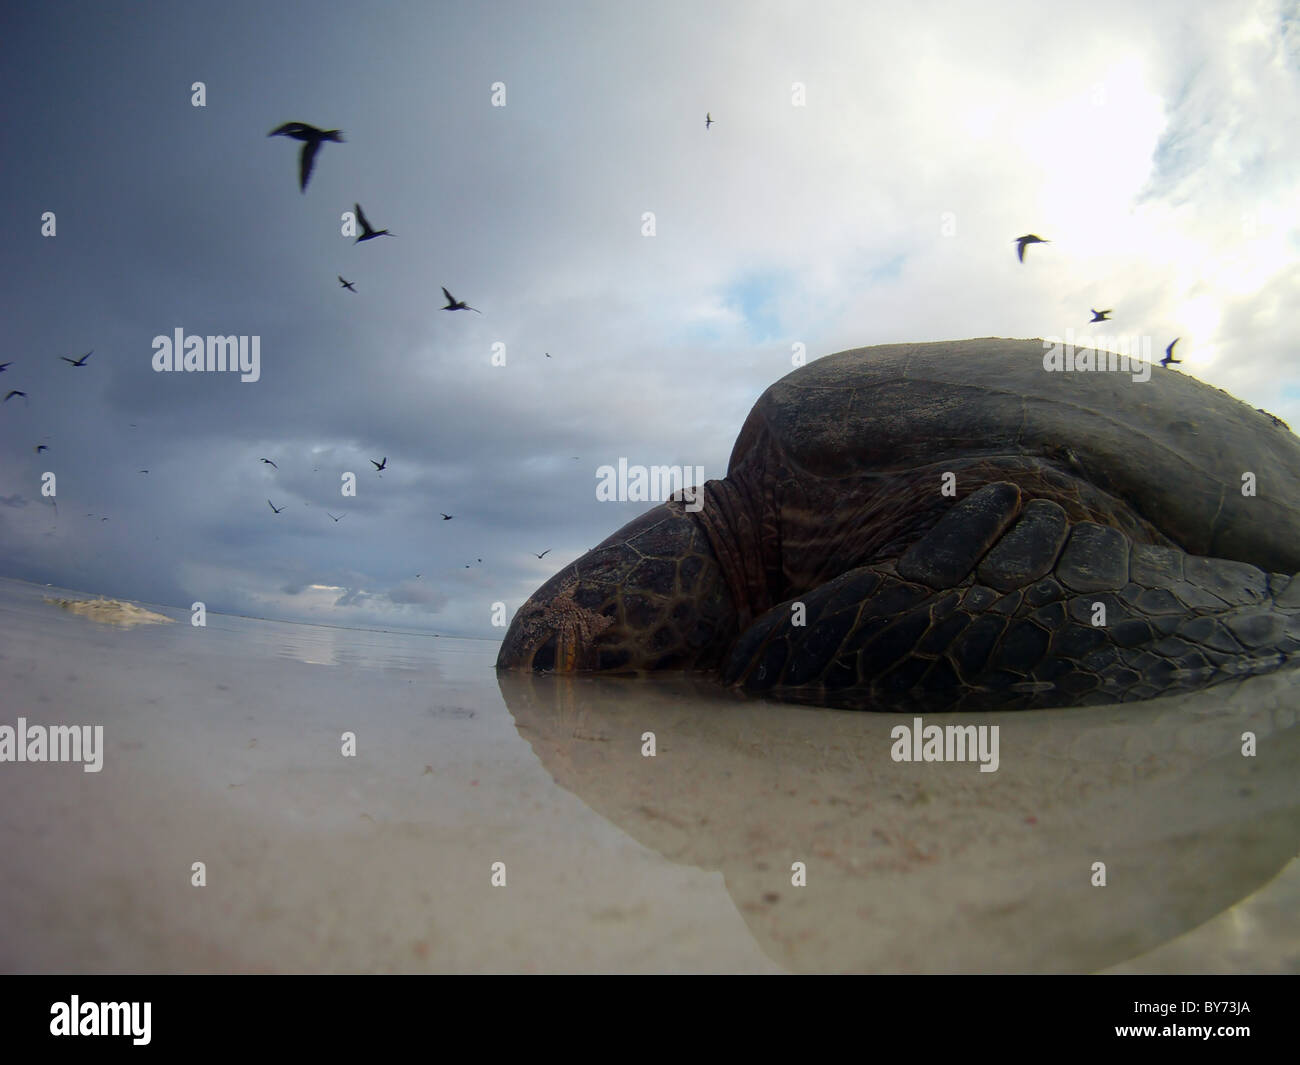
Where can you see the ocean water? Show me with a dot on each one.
(224, 746)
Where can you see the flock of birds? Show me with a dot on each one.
(1097, 316)
(18, 393)
(312, 139)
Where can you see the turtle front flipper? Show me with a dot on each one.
(999, 607)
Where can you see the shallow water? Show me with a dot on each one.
(222, 745)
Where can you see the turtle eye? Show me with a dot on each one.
(544, 656)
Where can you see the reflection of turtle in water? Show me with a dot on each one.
(1100, 539)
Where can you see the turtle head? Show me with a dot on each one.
(652, 596)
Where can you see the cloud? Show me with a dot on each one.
(1152, 145)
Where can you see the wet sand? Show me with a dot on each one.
(223, 746)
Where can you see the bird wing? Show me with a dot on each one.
(287, 130)
(270, 504)
(361, 217)
(66, 359)
(1020, 250)
(306, 161)
(450, 298)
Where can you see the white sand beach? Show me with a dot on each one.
(222, 745)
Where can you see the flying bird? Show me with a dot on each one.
(13, 392)
(1028, 238)
(347, 284)
(446, 517)
(453, 304)
(708, 119)
(368, 233)
(544, 553)
(274, 507)
(268, 462)
(1169, 353)
(4, 366)
(338, 519)
(1099, 316)
(144, 471)
(312, 139)
(380, 465)
(41, 447)
(78, 362)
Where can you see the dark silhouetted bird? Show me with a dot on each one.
(41, 447)
(367, 232)
(1028, 238)
(78, 362)
(144, 471)
(1169, 353)
(544, 553)
(380, 465)
(446, 517)
(708, 119)
(268, 462)
(14, 392)
(338, 519)
(1099, 316)
(312, 139)
(453, 304)
(274, 507)
(347, 284)
(4, 366)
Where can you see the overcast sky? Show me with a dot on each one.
(1155, 145)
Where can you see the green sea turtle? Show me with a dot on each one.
(951, 526)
